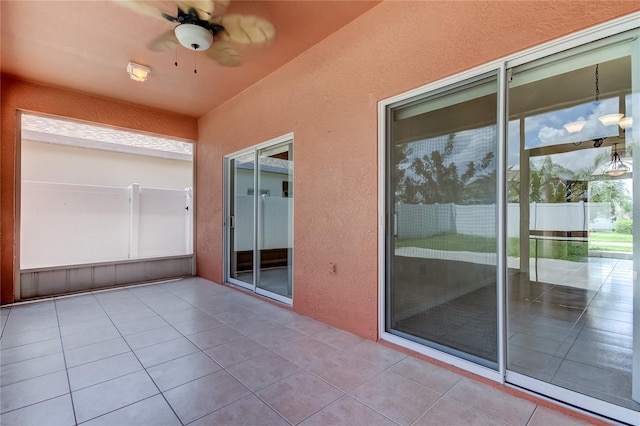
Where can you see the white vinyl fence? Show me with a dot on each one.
(66, 224)
(275, 218)
(427, 220)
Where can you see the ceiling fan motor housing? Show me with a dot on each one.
(193, 36)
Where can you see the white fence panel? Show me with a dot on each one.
(558, 216)
(426, 220)
(163, 223)
(66, 224)
(476, 220)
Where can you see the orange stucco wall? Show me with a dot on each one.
(17, 95)
(328, 97)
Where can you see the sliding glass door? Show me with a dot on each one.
(571, 240)
(509, 241)
(441, 244)
(259, 227)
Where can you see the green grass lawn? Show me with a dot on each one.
(567, 250)
(610, 237)
(451, 242)
(605, 247)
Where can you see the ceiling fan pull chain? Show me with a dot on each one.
(195, 62)
(176, 62)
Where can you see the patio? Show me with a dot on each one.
(192, 352)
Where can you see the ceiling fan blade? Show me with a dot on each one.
(247, 29)
(225, 54)
(164, 42)
(141, 8)
(205, 8)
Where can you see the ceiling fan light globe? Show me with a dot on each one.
(193, 37)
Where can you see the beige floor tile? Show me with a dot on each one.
(544, 417)
(205, 395)
(235, 351)
(32, 391)
(151, 411)
(182, 370)
(214, 337)
(429, 375)
(166, 351)
(347, 411)
(299, 396)
(305, 350)
(344, 370)
(108, 396)
(396, 397)
(52, 412)
(248, 411)
(376, 354)
(492, 401)
(339, 339)
(263, 370)
(447, 411)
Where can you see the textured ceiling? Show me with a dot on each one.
(86, 45)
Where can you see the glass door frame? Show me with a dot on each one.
(582, 40)
(228, 224)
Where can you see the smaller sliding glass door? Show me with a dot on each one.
(259, 226)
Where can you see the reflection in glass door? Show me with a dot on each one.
(275, 214)
(241, 223)
(570, 238)
(260, 220)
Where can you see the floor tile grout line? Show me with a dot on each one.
(480, 410)
(66, 369)
(364, 402)
(120, 408)
(290, 375)
(5, 320)
(535, 409)
(423, 413)
(143, 368)
(348, 393)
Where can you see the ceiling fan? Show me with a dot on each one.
(202, 27)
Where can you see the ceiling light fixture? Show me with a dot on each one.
(610, 119)
(574, 126)
(617, 167)
(193, 37)
(606, 120)
(625, 122)
(138, 72)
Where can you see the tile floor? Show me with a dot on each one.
(578, 338)
(194, 352)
